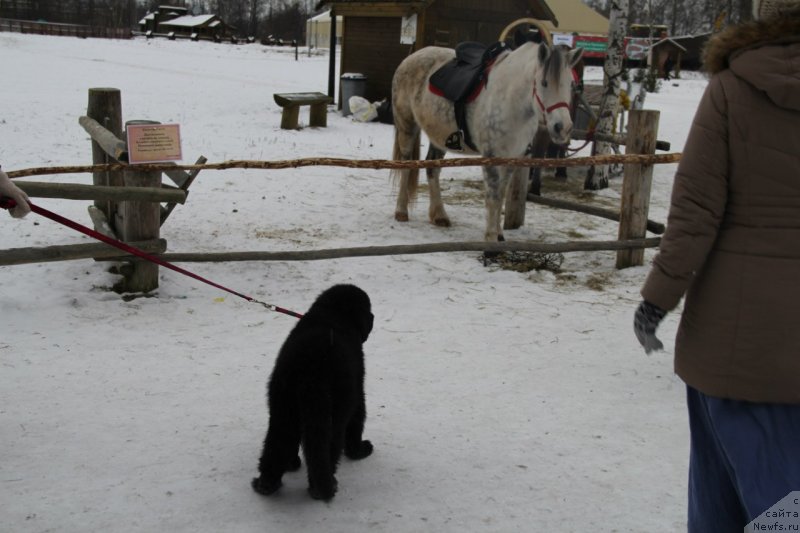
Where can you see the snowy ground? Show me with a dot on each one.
(497, 401)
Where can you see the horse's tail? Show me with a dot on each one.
(398, 155)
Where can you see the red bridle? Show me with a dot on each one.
(557, 104)
(552, 107)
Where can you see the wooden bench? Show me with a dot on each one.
(291, 103)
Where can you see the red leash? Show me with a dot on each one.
(8, 203)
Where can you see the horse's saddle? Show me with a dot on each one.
(461, 80)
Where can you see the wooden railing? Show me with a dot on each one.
(68, 30)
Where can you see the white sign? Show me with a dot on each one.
(563, 38)
(153, 143)
(408, 29)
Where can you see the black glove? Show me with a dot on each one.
(645, 322)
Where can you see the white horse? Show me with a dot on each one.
(524, 87)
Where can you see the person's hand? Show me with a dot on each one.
(7, 188)
(645, 323)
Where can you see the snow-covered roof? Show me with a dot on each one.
(189, 21)
(668, 40)
(325, 16)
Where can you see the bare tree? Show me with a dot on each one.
(597, 177)
(255, 8)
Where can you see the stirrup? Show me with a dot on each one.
(453, 141)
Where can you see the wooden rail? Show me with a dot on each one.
(610, 159)
(408, 249)
(110, 143)
(67, 30)
(609, 214)
(73, 191)
(68, 252)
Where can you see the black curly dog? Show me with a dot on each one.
(316, 393)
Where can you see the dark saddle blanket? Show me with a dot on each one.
(459, 80)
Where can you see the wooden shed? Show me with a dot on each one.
(666, 55)
(693, 57)
(378, 35)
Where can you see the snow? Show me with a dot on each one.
(497, 401)
(188, 21)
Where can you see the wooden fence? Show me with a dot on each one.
(127, 200)
(68, 30)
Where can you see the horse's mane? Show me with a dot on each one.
(554, 65)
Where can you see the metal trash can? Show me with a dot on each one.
(352, 84)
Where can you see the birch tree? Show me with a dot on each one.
(597, 177)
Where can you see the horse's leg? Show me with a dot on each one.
(406, 147)
(436, 211)
(496, 179)
(401, 207)
(561, 172)
(538, 149)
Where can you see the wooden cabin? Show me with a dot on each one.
(378, 35)
(175, 21)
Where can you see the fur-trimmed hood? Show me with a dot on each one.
(766, 54)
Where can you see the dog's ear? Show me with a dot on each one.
(365, 325)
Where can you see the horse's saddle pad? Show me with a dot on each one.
(458, 78)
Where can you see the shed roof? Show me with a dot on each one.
(325, 16)
(574, 16)
(189, 21)
(669, 41)
(322, 3)
(540, 7)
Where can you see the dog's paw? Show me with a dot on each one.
(325, 491)
(264, 487)
(364, 449)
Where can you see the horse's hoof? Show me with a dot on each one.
(442, 222)
(400, 217)
(500, 238)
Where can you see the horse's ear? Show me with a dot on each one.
(544, 52)
(575, 56)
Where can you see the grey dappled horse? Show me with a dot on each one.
(526, 86)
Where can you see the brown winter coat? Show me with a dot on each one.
(732, 244)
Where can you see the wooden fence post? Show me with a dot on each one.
(140, 221)
(636, 184)
(105, 107)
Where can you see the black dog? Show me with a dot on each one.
(316, 393)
